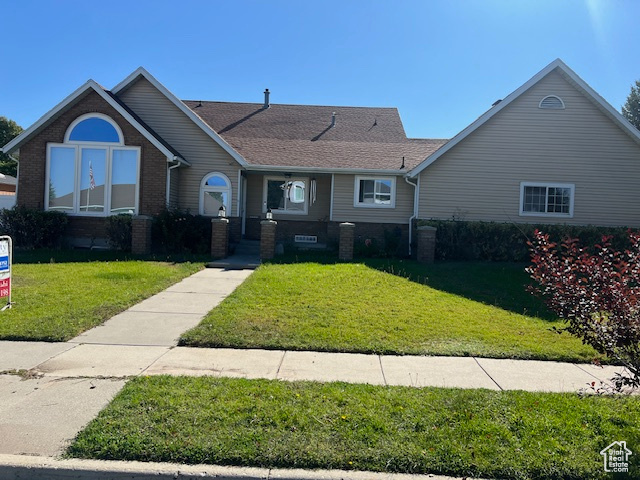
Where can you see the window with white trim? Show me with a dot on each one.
(215, 192)
(374, 192)
(286, 195)
(546, 199)
(92, 172)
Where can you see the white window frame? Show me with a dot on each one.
(86, 116)
(570, 186)
(205, 188)
(78, 146)
(356, 192)
(281, 211)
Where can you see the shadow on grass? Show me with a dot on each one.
(500, 284)
(86, 255)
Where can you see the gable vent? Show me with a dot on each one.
(553, 102)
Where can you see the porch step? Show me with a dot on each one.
(237, 262)
(248, 247)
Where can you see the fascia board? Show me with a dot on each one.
(136, 124)
(20, 139)
(616, 115)
(90, 84)
(345, 171)
(186, 110)
(487, 115)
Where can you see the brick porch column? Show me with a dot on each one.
(219, 237)
(347, 234)
(426, 244)
(141, 234)
(267, 239)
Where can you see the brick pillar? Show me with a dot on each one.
(347, 234)
(426, 244)
(141, 234)
(219, 237)
(267, 239)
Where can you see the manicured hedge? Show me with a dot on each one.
(507, 242)
(175, 231)
(31, 228)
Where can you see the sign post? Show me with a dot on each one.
(6, 254)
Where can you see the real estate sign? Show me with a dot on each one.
(6, 248)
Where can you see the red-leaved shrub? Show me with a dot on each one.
(597, 293)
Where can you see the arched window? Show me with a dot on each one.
(93, 172)
(215, 192)
(95, 128)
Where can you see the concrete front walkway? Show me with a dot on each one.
(60, 387)
(39, 414)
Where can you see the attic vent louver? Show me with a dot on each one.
(552, 102)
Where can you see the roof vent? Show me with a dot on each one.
(552, 102)
(266, 98)
(496, 102)
(333, 119)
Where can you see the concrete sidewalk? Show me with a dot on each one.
(120, 361)
(62, 386)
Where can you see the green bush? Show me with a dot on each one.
(507, 242)
(372, 248)
(119, 232)
(175, 231)
(32, 228)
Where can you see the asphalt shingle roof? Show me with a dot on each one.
(302, 136)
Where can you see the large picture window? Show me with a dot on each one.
(546, 199)
(375, 192)
(286, 195)
(93, 173)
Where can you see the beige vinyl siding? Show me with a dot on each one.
(345, 211)
(318, 211)
(174, 187)
(200, 150)
(479, 179)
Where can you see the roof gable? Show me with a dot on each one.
(141, 72)
(570, 76)
(78, 94)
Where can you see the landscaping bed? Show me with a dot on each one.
(390, 307)
(267, 423)
(57, 301)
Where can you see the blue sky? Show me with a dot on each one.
(441, 62)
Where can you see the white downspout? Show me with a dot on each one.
(169, 182)
(415, 210)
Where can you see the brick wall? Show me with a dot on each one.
(88, 227)
(329, 232)
(33, 154)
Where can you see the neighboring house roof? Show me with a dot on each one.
(363, 138)
(569, 74)
(7, 179)
(78, 94)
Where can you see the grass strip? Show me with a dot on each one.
(265, 423)
(57, 301)
(388, 307)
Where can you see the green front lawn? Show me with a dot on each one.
(394, 307)
(57, 301)
(264, 423)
